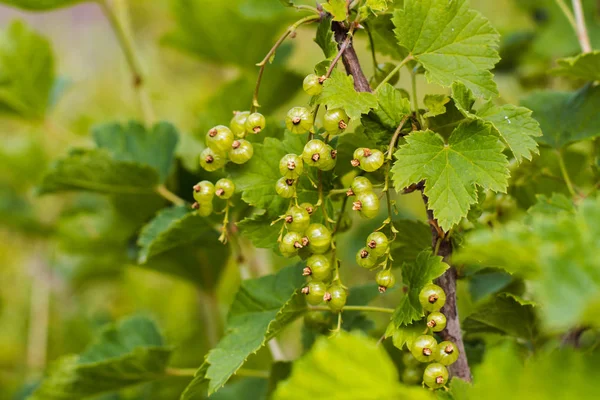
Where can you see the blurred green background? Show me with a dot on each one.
(65, 262)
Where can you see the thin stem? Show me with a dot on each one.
(394, 71)
(224, 236)
(582, 32)
(291, 29)
(395, 138)
(309, 8)
(167, 194)
(190, 372)
(385, 310)
(565, 173)
(415, 98)
(568, 13)
(334, 192)
(126, 43)
(372, 45)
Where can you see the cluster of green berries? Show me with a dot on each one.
(228, 143)
(425, 348)
(368, 257)
(205, 191)
(367, 202)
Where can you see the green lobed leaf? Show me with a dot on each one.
(96, 171)
(349, 367)
(133, 142)
(384, 40)
(412, 238)
(584, 66)
(243, 389)
(452, 171)
(503, 314)
(451, 41)
(377, 5)
(415, 275)
(339, 92)
(325, 39)
(435, 104)
(260, 232)
(337, 8)
(514, 125)
(172, 227)
(41, 5)
(555, 204)
(262, 307)
(128, 353)
(26, 72)
(381, 123)
(566, 117)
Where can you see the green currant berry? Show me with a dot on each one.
(368, 160)
(366, 259)
(382, 71)
(291, 166)
(297, 219)
(317, 320)
(219, 138)
(318, 267)
(308, 207)
(436, 321)
(204, 208)
(424, 348)
(211, 160)
(315, 153)
(368, 205)
(410, 361)
(360, 185)
(224, 188)
(447, 353)
(204, 191)
(378, 243)
(313, 85)
(336, 297)
(238, 123)
(319, 238)
(241, 151)
(314, 292)
(335, 121)
(255, 123)
(385, 279)
(412, 376)
(286, 187)
(435, 375)
(327, 163)
(432, 297)
(290, 244)
(299, 120)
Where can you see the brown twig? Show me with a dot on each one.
(350, 58)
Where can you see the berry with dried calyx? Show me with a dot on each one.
(308, 207)
(365, 259)
(299, 120)
(290, 244)
(286, 187)
(219, 138)
(224, 188)
(241, 151)
(313, 84)
(432, 297)
(385, 279)
(316, 153)
(435, 375)
(367, 204)
(368, 160)
(360, 185)
(238, 123)
(378, 243)
(336, 297)
(204, 209)
(424, 348)
(318, 237)
(436, 321)
(447, 353)
(314, 292)
(335, 121)
(291, 166)
(255, 123)
(297, 219)
(204, 191)
(318, 267)
(211, 160)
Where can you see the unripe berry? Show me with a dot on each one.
(219, 139)
(314, 292)
(436, 321)
(335, 121)
(360, 185)
(297, 219)
(238, 123)
(204, 191)
(299, 120)
(328, 162)
(432, 297)
(313, 84)
(241, 151)
(435, 375)
(410, 361)
(378, 243)
(286, 187)
(291, 166)
(368, 160)
(336, 297)
(290, 244)
(315, 153)
(385, 279)
(204, 209)
(447, 353)
(308, 207)
(412, 376)
(365, 259)
(211, 160)
(255, 123)
(224, 188)
(368, 205)
(318, 267)
(319, 238)
(424, 348)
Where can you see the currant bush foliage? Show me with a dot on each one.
(509, 192)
